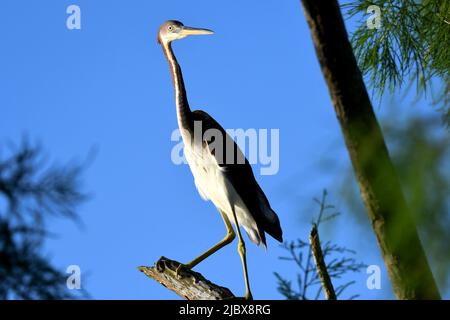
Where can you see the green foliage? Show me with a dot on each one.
(340, 262)
(412, 45)
(420, 150)
(421, 153)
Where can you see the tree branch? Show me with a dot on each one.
(379, 184)
(321, 267)
(186, 283)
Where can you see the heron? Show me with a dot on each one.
(230, 185)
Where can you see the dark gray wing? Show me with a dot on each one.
(239, 172)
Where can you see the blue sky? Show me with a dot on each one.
(107, 87)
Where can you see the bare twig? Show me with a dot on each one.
(186, 283)
(321, 267)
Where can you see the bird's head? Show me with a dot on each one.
(174, 30)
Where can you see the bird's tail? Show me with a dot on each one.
(269, 221)
(271, 225)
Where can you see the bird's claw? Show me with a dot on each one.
(173, 267)
(178, 269)
(248, 296)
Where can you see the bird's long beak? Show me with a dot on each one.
(188, 31)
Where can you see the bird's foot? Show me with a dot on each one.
(175, 268)
(179, 270)
(248, 297)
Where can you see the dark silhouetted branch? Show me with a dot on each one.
(33, 191)
(186, 283)
(308, 284)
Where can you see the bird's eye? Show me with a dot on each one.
(170, 28)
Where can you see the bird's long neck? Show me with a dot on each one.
(184, 114)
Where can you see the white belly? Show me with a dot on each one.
(213, 185)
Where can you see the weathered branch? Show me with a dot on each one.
(380, 188)
(321, 267)
(186, 283)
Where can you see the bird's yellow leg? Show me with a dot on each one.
(222, 243)
(242, 253)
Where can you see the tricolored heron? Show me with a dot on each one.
(230, 185)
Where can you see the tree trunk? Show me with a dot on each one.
(380, 188)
